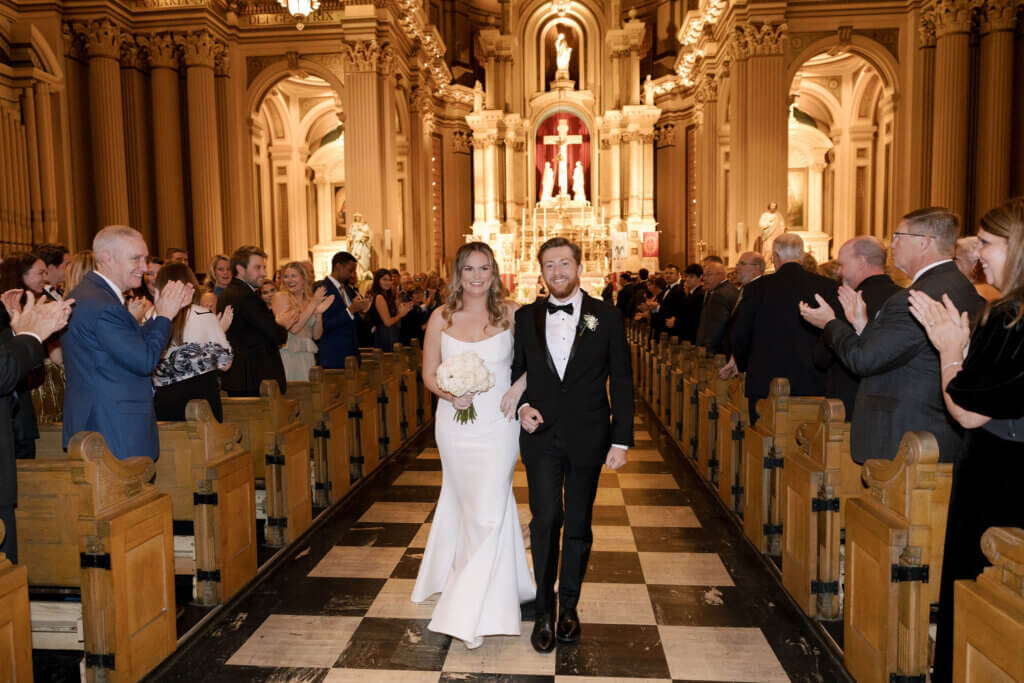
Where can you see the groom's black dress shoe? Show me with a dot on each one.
(543, 636)
(568, 630)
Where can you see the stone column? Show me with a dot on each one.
(952, 90)
(167, 142)
(766, 153)
(137, 130)
(636, 177)
(28, 107)
(234, 187)
(707, 166)
(110, 179)
(744, 238)
(815, 196)
(324, 207)
(200, 48)
(489, 146)
(615, 143)
(995, 108)
(479, 180)
(926, 31)
(47, 165)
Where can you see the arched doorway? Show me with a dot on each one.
(841, 130)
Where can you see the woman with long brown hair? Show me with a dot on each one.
(386, 311)
(197, 350)
(475, 556)
(983, 388)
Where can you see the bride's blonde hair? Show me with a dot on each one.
(495, 294)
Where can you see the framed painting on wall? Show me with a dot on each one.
(796, 205)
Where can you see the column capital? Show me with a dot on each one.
(132, 54)
(707, 89)
(198, 47)
(162, 50)
(365, 56)
(951, 16)
(998, 15)
(926, 29)
(765, 39)
(102, 37)
(484, 141)
(222, 61)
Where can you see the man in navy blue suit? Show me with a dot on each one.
(109, 358)
(341, 320)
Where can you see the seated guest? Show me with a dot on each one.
(341, 320)
(386, 312)
(899, 388)
(22, 331)
(56, 258)
(299, 309)
(966, 258)
(719, 299)
(197, 350)
(108, 357)
(267, 291)
(81, 263)
(254, 336)
(984, 393)
(861, 266)
(769, 338)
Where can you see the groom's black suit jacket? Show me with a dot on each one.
(578, 404)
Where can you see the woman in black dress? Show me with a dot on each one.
(984, 392)
(386, 313)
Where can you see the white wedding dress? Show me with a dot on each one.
(475, 555)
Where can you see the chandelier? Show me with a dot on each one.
(300, 9)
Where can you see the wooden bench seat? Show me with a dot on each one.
(210, 480)
(988, 619)
(279, 444)
(894, 537)
(729, 430)
(711, 390)
(324, 409)
(16, 642)
(92, 522)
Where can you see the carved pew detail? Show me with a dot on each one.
(16, 645)
(989, 614)
(894, 537)
(91, 521)
(732, 422)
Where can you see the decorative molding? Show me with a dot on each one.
(951, 16)
(198, 47)
(254, 66)
(161, 50)
(102, 38)
(366, 56)
(462, 142)
(665, 135)
(926, 30)
(222, 61)
(333, 62)
(132, 54)
(764, 40)
(998, 15)
(707, 89)
(484, 140)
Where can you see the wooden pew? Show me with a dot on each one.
(733, 417)
(679, 355)
(16, 643)
(424, 399)
(820, 480)
(394, 370)
(712, 391)
(279, 444)
(692, 364)
(364, 424)
(894, 537)
(209, 478)
(323, 408)
(92, 522)
(989, 614)
(765, 448)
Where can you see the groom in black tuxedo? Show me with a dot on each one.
(572, 348)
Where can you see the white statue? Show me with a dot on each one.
(772, 225)
(478, 97)
(579, 194)
(359, 244)
(648, 92)
(547, 187)
(563, 170)
(562, 53)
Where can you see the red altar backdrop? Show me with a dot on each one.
(580, 152)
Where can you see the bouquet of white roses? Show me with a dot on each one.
(463, 374)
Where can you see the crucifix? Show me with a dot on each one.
(563, 140)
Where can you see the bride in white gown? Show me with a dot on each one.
(475, 555)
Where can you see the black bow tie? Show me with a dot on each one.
(555, 308)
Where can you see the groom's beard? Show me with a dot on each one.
(562, 293)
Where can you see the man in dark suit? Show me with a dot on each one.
(672, 300)
(340, 338)
(56, 259)
(749, 267)
(868, 286)
(900, 387)
(21, 351)
(687, 306)
(626, 293)
(108, 357)
(255, 337)
(608, 293)
(719, 299)
(769, 339)
(572, 348)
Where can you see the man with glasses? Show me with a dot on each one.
(900, 388)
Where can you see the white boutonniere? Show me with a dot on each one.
(588, 323)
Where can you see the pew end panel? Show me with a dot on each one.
(290, 508)
(15, 624)
(989, 614)
(758, 451)
(730, 428)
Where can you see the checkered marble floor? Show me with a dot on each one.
(672, 593)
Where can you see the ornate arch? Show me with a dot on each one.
(534, 19)
(871, 51)
(270, 75)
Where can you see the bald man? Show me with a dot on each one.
(719, 299)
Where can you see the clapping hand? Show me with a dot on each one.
(324, 304)
(12, 301)
(948, 329)
(226, 317)
(818, 316)
(318, 295)
(42, 320)
(854, 308)
(139, 306)
(175, 296)
(404, 307)
(360, 304)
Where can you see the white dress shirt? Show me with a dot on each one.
(560, 330)
(113, 286)
(344, 295)
(929, 267)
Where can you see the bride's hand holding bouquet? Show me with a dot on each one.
(464, 376)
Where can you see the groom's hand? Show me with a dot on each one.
(530, 418)
(616, 458)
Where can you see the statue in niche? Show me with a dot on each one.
(579, 194)
(648, 92)
(562, 53)
(547, 187)
(772, 225)
(478, 97)
(359, 244)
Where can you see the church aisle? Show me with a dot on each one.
(673, 592)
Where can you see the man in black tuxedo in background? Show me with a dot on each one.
(340, 338)
(719, 299)
(901, 381)
(571, 347)
(255, 337)
(862, 269)
(672, 300)
(626, 293)
(769, 338)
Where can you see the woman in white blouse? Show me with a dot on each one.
(197, 351)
